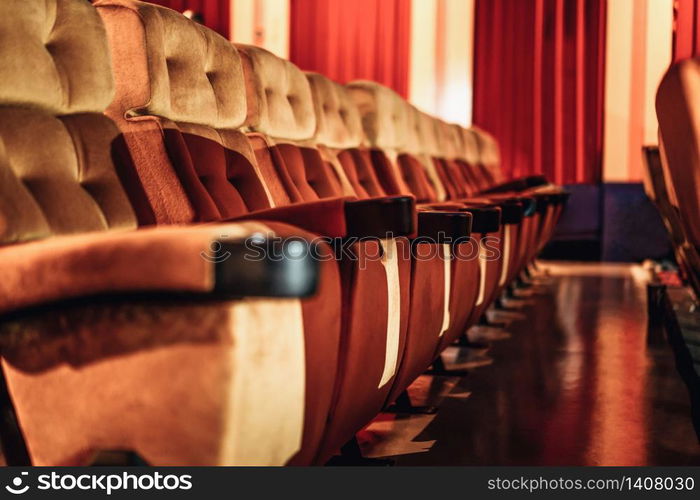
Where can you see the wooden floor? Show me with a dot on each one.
(575, 384)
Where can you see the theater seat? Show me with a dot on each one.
(281, 126)
(118, 338)
(656, 189)
(550, 199)
(439, 150)
(677, 112)
(434, 309)
(180, 102)
(233, 143)
(402, 159)
(464, 153)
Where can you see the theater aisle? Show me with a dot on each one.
(576, 384)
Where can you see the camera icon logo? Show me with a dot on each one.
(217, 254)
(16, 488)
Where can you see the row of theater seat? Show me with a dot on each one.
(673, 170)
(123, 115)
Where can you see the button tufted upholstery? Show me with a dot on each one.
(450, 140)
(279, 96)
(47, 59)
(55, 144)
(181, 81)
(384, 114)
(338, 121)
(413, 144)
(430, 141)
(470, 145)
(461, 181)
(187, 70)
(489, 154)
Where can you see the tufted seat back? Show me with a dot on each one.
(280, 105)
(430, 151)
(180, 100)
(489, 154)
(385, 122)
(281, 125)
(384, 114)
(338, 121)
(470, 146)
(414, 165)
(464, 180)
(340, 137)
(56, 172)
(467, 157)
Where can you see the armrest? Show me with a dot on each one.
(443, 227)
(213, 260)
(485, 219)
(381, 217)
(544, 200)
(535, 201)
(529, 204)
(512, 208)
(562, 197)
(346, 217)
(521, 184)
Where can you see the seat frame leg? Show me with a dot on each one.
(403, 405)
(484, 320)
(439, 369)
(463, 341)
(351, 455)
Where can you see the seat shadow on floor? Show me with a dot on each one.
(575, 384)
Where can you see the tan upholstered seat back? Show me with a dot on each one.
(56, 170)
(280, 105)
(180, 101)
(449, 140)
(470, 145)
(489, 153)
(384, 114)
(338, 121)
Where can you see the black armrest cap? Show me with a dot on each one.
(444, 227)
(260, 267)
(485, 219)
(381, 217)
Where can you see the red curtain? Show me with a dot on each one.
(538, 85)
(216, 13)
(686, 38)
(354, 39)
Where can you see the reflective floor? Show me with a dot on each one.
(575, 384)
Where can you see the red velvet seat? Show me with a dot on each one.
(281, 125)
(181, 100)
